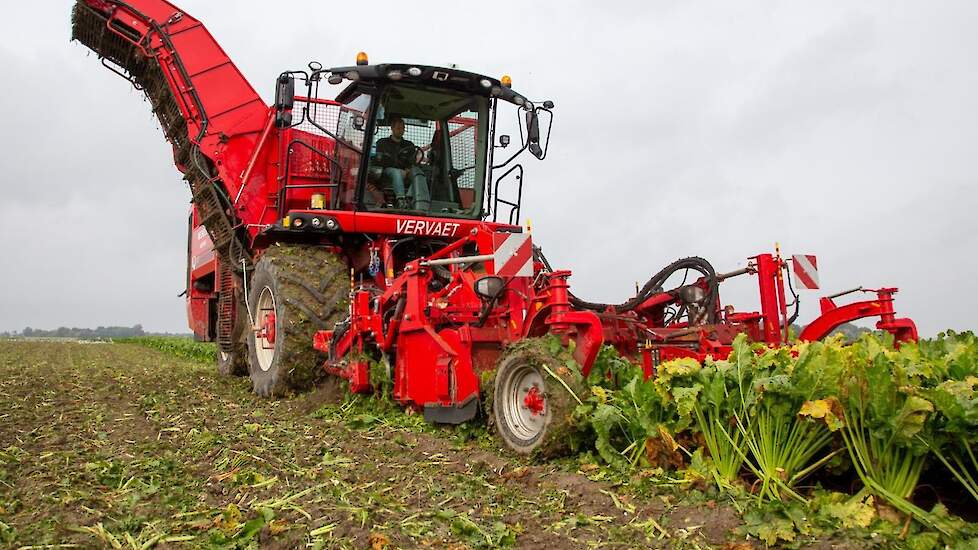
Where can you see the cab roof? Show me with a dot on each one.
(441, 77)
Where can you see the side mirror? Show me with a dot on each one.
(533, 133)
(285, 92)
(284, 100)
(504, 141)
(283, 119)
(358, 122)
(489, 287)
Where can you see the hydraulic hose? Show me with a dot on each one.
(794, 316)
(652, 286)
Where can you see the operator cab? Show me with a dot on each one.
(426, 151)
(414, 139)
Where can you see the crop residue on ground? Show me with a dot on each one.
(124, 446)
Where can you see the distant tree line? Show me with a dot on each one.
(79, 333)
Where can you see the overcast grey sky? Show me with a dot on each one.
(842, 129)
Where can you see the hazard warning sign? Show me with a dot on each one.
(514, 254)
(806, 271)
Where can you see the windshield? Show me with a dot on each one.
(349, 131)
(427, 153)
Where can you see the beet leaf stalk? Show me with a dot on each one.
(884, 423)
(955, 437)
(708, 398)
(782, 400)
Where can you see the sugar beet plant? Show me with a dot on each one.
(707, 398)
(766, 419)
(955, 439)
(883, 417)
(953, 359)
(759, 410)
(781, 397)
(632, 425)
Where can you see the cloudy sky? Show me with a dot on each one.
(842, 129)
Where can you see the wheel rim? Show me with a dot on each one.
(264, 329)
(524, 403)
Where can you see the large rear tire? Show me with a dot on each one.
(533, 399)
(294, 292)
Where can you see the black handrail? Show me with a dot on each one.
(285, 178)
(514, 207)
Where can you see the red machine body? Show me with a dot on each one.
(448, 336)
(443, 313)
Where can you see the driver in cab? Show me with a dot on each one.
(396, 156)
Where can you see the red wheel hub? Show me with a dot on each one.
(534, 401)
(267, 330)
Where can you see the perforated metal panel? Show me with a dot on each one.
(463, 142)
(318, 114)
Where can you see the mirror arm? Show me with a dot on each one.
(526, 142)
(533, 132)
(540, 151)
(510, 159)
(520, 122)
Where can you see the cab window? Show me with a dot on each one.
(427, 153)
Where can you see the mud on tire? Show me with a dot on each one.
(308, 288)
(550, 432)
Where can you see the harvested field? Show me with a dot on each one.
(119, 445)
(122, 446)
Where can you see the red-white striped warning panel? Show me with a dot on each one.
(806, 271)
(513, 255)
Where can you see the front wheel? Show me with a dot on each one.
(294, 292)
(533, 400)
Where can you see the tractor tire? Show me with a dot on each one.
(294, 291)
(534, 395)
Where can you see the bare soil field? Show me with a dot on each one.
(121, 446)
